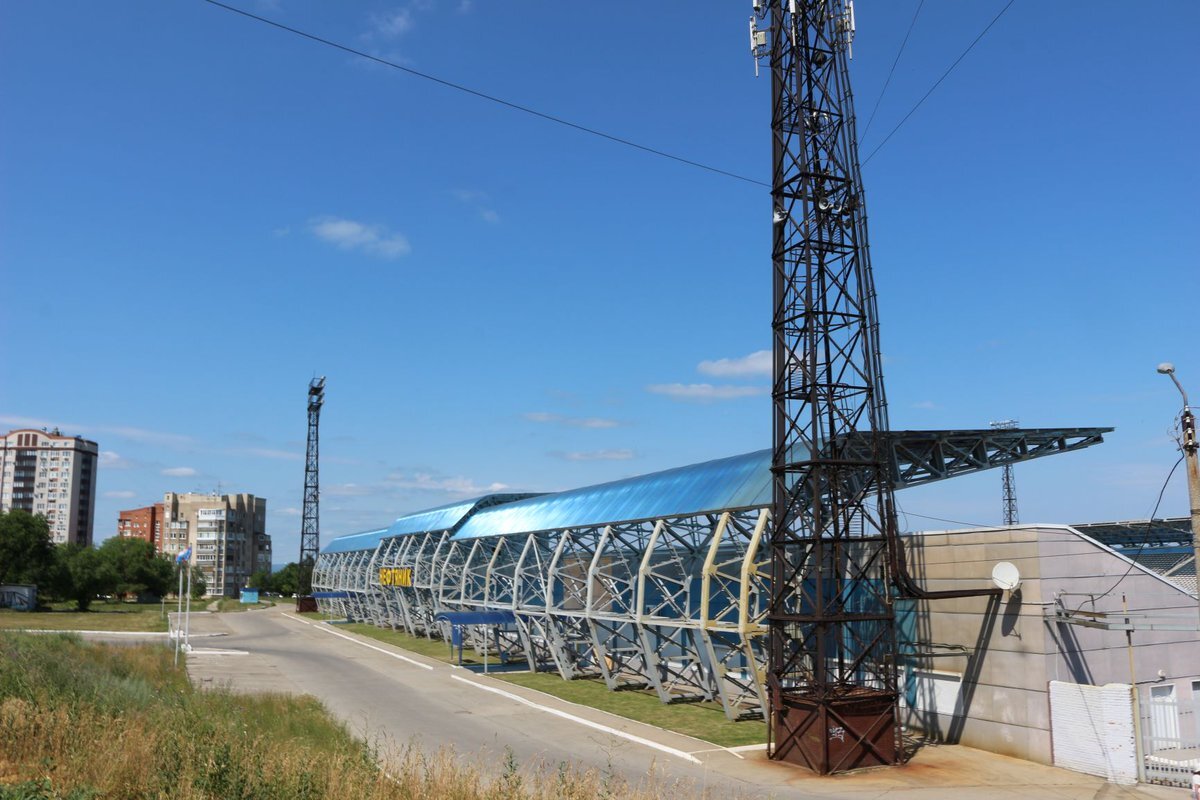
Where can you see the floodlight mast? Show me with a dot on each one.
(832, 651)
(1008, 483)
(310, 521)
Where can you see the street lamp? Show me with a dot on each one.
(1188, 423)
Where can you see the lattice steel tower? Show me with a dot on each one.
(832, 653)
(310, 523)
(1010, 486)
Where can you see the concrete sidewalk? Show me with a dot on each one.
(266, 651)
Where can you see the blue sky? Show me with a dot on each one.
(198, 213)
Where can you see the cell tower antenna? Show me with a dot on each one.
(1010, 486)
(832, 650)
(310, 521)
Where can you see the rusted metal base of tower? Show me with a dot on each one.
(850, 732)
(306, 603)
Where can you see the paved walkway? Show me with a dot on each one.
(393, 695)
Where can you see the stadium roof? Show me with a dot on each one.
(725, 484)
(442, 518)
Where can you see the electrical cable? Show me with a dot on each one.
(1149, 522)
(485, 96)
(892, 71)
(937, 83)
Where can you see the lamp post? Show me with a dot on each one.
(1190, 445)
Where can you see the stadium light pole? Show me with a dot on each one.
(1188, 424)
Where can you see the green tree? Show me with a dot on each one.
(287, 580)
(26, 550)
(260, 580)
(137, 567)
(199, 585)
(83, 574)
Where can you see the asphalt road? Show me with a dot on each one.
(393, 697)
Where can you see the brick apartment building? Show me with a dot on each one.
(142, 523)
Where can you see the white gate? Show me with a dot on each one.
(1091, 730)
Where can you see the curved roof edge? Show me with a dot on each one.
(724, 484)
(440, 518)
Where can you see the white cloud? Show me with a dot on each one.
(704, 392)
(141, 435)
(112, 460)
(573, 422)
(289, 512)
(179, 472)
(479, 201)
(350, 235)
(267, 452)
(393, 23)
(457, 485)
(757, 364)
(623, 454)
(346, 490)
(120, 494)
(926, 405)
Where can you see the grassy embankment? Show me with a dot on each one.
(88, 722)
(705, 721)
(233, 604)
(103, 616)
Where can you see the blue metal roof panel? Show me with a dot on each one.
(441, 518)
(738, 482)
(353, 542)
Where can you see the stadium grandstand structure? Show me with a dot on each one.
(658, 581)
(1163, 546)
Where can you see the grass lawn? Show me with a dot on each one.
(434, 648)
(702, 720)
(230, 604)
(102, 616)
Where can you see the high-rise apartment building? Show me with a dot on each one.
(53, 475)
(142, 523)
(227, 534)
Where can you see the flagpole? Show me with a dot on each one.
(179, 612)
(187, 617)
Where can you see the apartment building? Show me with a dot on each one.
(227, 534)
(142, 523)
(47, 473)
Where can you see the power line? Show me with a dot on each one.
(937, 83)
(892, 71)
(485, 96)
(1149, 523)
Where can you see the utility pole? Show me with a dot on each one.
(1187, 424)
(310, 522)
(1009, 485)
(832, 647)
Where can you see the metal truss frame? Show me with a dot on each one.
(676, 604)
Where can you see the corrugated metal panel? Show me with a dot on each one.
(728, 483)
(353, 542)
(441, 518)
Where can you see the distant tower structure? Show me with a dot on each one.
(1010, 487)
(310, 524)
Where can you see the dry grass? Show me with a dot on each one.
(87, 721)
(101, 617)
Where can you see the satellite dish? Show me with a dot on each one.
(1006, 576)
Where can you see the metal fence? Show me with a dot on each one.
(1170, 732)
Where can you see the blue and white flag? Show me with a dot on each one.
(184, 556)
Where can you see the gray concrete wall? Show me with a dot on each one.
(1014, 650)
